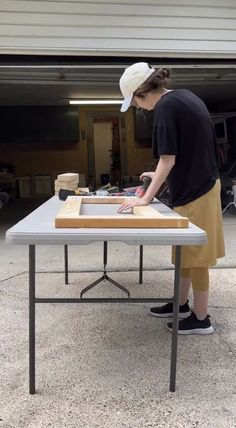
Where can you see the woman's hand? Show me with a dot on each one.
(132, 203)
(149, 174)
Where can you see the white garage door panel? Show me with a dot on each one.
(174, 28)
(118, 33)
(117, 44)
(188, 8)
(95, 21)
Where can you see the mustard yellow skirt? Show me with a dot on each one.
(205, 212)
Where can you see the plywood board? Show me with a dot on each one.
(142, 217)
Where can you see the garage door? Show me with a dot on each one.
(162, 29)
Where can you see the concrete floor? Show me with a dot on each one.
(108, 365)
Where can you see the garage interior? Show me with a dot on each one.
(42, 135)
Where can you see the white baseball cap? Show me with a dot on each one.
(131, 79)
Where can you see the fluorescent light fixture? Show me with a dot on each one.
(95, 102)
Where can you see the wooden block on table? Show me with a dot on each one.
(69, 186)
(66, 182)
(74, 176)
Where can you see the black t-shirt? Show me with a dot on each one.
(182, 126)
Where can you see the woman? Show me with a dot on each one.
(184, 142)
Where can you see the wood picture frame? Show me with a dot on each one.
(70, 216)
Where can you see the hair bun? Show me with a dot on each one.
(164, 73)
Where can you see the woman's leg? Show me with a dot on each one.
(200, 304)
(198, 322)
(185, 284)
(167, 309)
(200, 283)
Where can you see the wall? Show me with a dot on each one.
(170, 28)
(36, 159)
(44, 157)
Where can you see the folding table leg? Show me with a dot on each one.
(140, 264)
(32, 319)
(175, 319)
(66, 263)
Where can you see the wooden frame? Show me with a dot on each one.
(142, 217)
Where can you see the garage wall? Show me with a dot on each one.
(41, 159)
(170, 28)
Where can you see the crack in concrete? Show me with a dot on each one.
(165, 269)
(13, 276)
(226, 343)
(101, 270)
(221, 307)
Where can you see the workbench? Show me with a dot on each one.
(38, 228)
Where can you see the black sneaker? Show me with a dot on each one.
(167, 311)
(192, 325)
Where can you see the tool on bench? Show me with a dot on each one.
(63, 193)
(138, 191)
(108, 190)
(102, 191)
(141, 190)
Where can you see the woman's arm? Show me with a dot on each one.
(164, 166)
(162, 171)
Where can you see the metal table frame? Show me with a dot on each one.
(37, 229)
(105, 254)
(33, 300)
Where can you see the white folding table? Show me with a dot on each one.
(38, 229)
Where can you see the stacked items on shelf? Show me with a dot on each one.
(68, 181)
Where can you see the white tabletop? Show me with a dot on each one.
(38, 229)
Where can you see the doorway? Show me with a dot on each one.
(106, 149)
(102, 142)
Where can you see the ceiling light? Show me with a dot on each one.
(95, 102)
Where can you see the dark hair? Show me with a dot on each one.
(157, 80)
